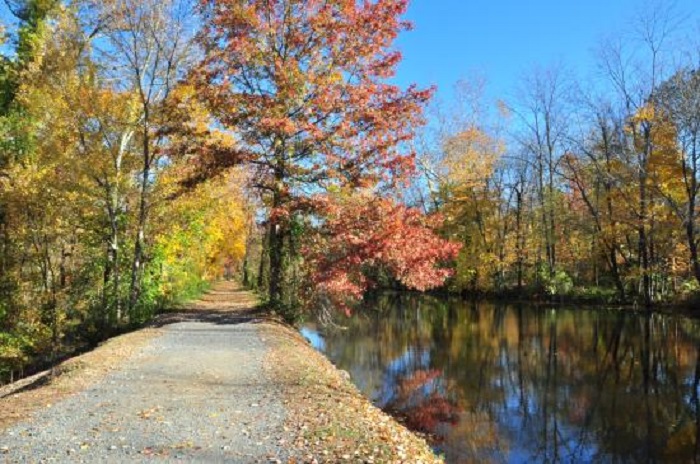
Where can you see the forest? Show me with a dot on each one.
(150, 147)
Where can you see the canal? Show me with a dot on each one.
(524, 383)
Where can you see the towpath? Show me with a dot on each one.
(198, 391)
(216, 381)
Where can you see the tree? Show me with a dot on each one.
(72, 190)
(198, 233)
(634, 77)
(472, 197)
(362, 232)
(16, 140)
(148, 47)
(303, 84)
(544, 117)
(679, 97)
(594, 170)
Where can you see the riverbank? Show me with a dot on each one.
(216, 380)
(686, 306)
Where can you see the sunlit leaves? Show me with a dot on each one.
(364, 232)
(200, 233)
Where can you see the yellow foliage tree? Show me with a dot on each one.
(471, 191)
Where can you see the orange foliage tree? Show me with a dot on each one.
(303, 85)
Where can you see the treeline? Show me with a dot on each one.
(100, 223)
(586, 189)
(148, 146)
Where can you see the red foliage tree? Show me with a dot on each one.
(364, 232)
(303, 85)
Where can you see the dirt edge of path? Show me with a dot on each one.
(331, 420)
(20, 399)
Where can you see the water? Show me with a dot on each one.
(518, 383)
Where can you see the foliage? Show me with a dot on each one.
(205, 230)
(137, 164)
(363, 232)
(561, 190)
(304, 86)
(558, 284)
(73, 212)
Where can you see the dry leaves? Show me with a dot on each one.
(329, 417)
(73, 376)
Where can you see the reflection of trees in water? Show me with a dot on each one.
(593, 385)
(422, 402)
(561, 385)
(389, 349)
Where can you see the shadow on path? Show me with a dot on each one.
(225, 304)
(211, 317)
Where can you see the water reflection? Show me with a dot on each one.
(523, 384)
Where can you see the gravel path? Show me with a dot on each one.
(199, 393)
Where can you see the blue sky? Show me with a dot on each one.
(503, 39)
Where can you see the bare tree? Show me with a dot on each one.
(541, 111)
(634, 67)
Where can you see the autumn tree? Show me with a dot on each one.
(593, 169)
(364, 232)
(72, 187)
(16, 144)
(198, 233)
(542, 113)
(147, 49)
(304, 86)
(32, 15)
(467, 173)
(679, 98)
(634, 75)
(472, 194)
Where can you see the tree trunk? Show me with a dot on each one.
(643, 245)
(613, 247)
(690, 230)
(615, 271)
(693, 247)
(276, 253)
(551, 223)
(247, 281)
(277, 236)
(114, 256)
(6, 287)
(643, 238)
(519, 238)
(138, 264)
(106, 280)
(264, 256)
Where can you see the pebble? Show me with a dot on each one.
(107, 412)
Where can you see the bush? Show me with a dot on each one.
(559, 284)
